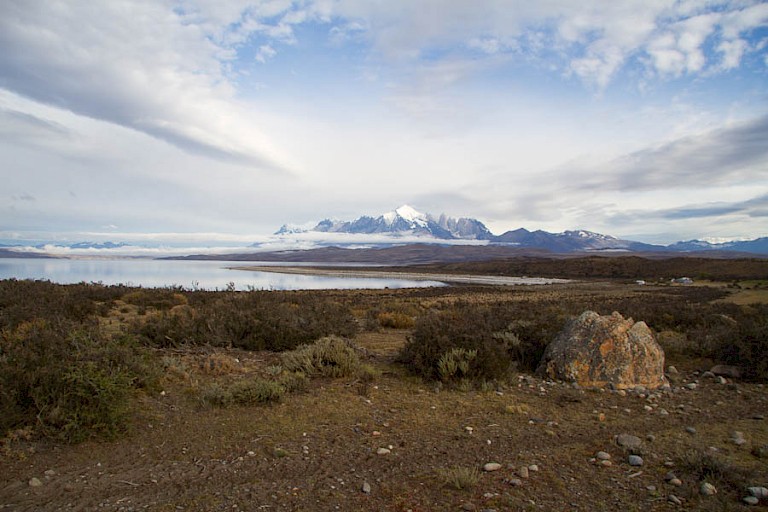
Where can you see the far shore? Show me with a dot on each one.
(413, 276)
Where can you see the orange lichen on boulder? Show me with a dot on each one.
(602, 351)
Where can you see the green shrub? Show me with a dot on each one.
(327, 357)
(251, 321)
(496, 341)
(746, 345)
(243, 392)
(454, 364)
(68, 381)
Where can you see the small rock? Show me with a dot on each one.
(663, 412)
(366, 488)
(383, 451)
(758, 492)
(523, 472)
(669, 476)
(707, 375)
(606, 463)
(635, 460)
(672, 370)
(721, 380)
(469, 506)
(469, 430)
(533, 467)
(650, 488)
(50, 472)
(738, 438)
(515, 482)
(691, 386)
(674, 499)
(758, 417)
(650, 438)
(628, 441)
(676, 482)
(603, 456)
(35, 482)
(751, 500)
(491, 466)
(690, 430)
(707, 489)
(724, 370)
(375, 433)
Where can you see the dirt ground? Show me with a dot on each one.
(318, 449)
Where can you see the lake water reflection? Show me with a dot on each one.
(208, 275)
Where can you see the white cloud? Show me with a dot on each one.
(265, 53)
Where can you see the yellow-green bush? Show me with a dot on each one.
(327, 357)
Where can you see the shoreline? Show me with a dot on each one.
(411, 276)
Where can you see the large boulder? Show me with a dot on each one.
(602, 351)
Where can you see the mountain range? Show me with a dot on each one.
(407, 221)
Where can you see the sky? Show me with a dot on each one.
(217, 121)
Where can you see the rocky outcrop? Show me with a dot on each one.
(602, 351)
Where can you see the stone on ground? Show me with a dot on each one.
(600, 351)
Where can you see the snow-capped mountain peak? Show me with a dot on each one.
(408, 214)
(583, 233)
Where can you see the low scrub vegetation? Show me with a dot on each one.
(67, 371)
(476, 342)
(67, 381)
(327, 357)
(250, 321)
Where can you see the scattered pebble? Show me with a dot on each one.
(738, 438)
(674, 499)
(35, 482)
(50, 472)
(366, 488)
(672, 370)
(533, 467)
(491, 466)
(469, 506)
(751, 500)
(707, 489)
(383, 451)
(690, 430)
(523, 472)
(628, 441)
(603, 456)
(758, 492)
(650, 438)
(515, 482)
(691, 386)
(635, 460)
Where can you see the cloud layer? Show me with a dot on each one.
(226, 115)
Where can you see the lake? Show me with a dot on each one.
(204, 275)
